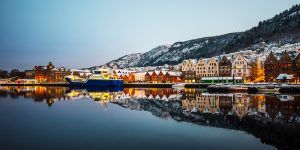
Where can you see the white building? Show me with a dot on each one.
(207, 68)
(140, 77)
(240, 67)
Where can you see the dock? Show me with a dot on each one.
(244, 88)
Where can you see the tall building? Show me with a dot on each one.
(212, 68)
(297, 68)
(50, 74)
(271, 68)
(201, 69)
(40, 73)
(240, 67)
(188, 69)
(29, 74)
(207, 68)
(225, 67)
(285, 64)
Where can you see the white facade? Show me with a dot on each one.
(207, 68)
(140, 77)
(189, 65)
(240, 67)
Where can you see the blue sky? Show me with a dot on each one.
(84, 33)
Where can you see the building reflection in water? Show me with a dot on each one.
(269, 117)
(275, 107)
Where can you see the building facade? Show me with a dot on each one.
(40, 73)
(188, 69)
(207, 68)
(225, 67)
(29, 74)
(50, 74)
(271, 68)
(285, 64)
(201, 69)
(140, 77)
(297, 68)
(240, 67)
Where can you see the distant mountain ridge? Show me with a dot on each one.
(282, 28)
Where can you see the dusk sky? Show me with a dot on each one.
(84, 33)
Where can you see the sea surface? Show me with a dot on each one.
(55, 118)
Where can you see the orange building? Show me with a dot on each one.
(128, 78)
(162, 77)
(50, 74)
(40, 73)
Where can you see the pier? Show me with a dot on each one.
(212, 88)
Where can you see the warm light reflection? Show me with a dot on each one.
(189, 101)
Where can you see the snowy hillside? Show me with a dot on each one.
(282, 29)
(123, 62)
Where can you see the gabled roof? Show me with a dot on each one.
(284, 76)
(242, 57)
(225, 59)
(297, 57)
(285, 57)
(157, 72)
(271, 56)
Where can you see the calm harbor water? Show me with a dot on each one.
(64, 118)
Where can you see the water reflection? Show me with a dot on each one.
(272, 118)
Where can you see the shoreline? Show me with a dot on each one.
(253, 88)
(126, 85)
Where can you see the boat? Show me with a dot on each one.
(178, 86)
(98, 78)
(268, 90)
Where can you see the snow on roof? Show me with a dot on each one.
(172, 73)
(221, 78)
(284, 76)
(150, 73)
(141, 73)
(157, 72)
(164, 72)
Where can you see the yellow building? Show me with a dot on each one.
(202, 102)
(207, 68)
(188, 69)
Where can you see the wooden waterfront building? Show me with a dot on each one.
(271, 68)
(297, 68)
(285, 64)
(225, 67)
(188, 69)
(241, 67)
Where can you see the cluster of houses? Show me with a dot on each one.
(284, 67)
(244, 66)
(154, 76)
(195, 71)
(240, 67)
(239, 104)
(48, 73)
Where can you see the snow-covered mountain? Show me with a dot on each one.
(123, 62)
(281, 29)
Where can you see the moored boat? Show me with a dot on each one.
(99, 78)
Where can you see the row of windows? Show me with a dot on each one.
(239, 62)
(203, 68)
(207, 72)
(207, 75)
(239, 70)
